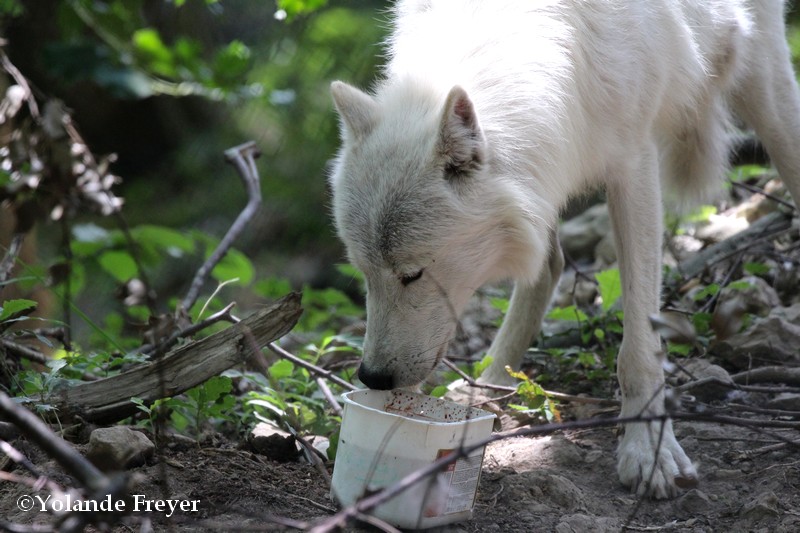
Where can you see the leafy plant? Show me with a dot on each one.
(534, 396)
(191, 412)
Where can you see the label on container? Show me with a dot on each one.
(456, 487)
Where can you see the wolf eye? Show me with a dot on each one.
(410, 278)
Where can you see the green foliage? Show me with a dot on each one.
(11, 8)
(756, 269)
(290, 395)
(535, 397)
(191, 411)
(293, 8)
(609, 286)
(123, 53)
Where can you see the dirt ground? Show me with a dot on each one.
(564, 483)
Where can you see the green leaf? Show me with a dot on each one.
(272, 288)
(567, 313)
(710, 290)
(479, 367)
(299, 7)
(740, 285)
(216, 387)
(119, 264)
(701, 214)
(745, 172)
(609, 286)
(232, 62)
(439, 391)
(15, 308)
(679, 349)
(173, 242)
(756, 269)
(501, 304)
(152, 50)
(235, 265)
(281, 369)
(11, 8)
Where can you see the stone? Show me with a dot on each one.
(765, 505)
(693, 502)
(773, 338)
(581, 235)
(270, 440)
(118, 448)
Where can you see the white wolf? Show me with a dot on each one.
(492, 114)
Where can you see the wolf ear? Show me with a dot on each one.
(461, 142)
(358, 110)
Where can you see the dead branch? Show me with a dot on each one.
(220, 316)
(769, 374)
(765, 226)
(749, 454)
(243, 158)
(108, 400)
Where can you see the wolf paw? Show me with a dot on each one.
(652, 463)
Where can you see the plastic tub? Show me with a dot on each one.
(386, 435)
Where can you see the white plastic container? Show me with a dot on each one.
(386, 435)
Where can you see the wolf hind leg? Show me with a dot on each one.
(524, 318)
(767, 97)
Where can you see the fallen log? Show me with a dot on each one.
(109, 400)
(762, 228)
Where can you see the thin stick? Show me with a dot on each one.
(222, 315)
(243, 158)
(762, 192)
(326, 391)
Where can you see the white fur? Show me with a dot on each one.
(492, 114)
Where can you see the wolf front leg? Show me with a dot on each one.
(650, 460)
(524, 318)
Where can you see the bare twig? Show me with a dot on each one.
(326, 391)
(762, 192)
(243, 158)
(223, 315)
(749, 454)
(10, 259)
(762, 410)
(20, 80)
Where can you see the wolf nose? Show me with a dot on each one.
(375, 380)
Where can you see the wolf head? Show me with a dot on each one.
(425, 217)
